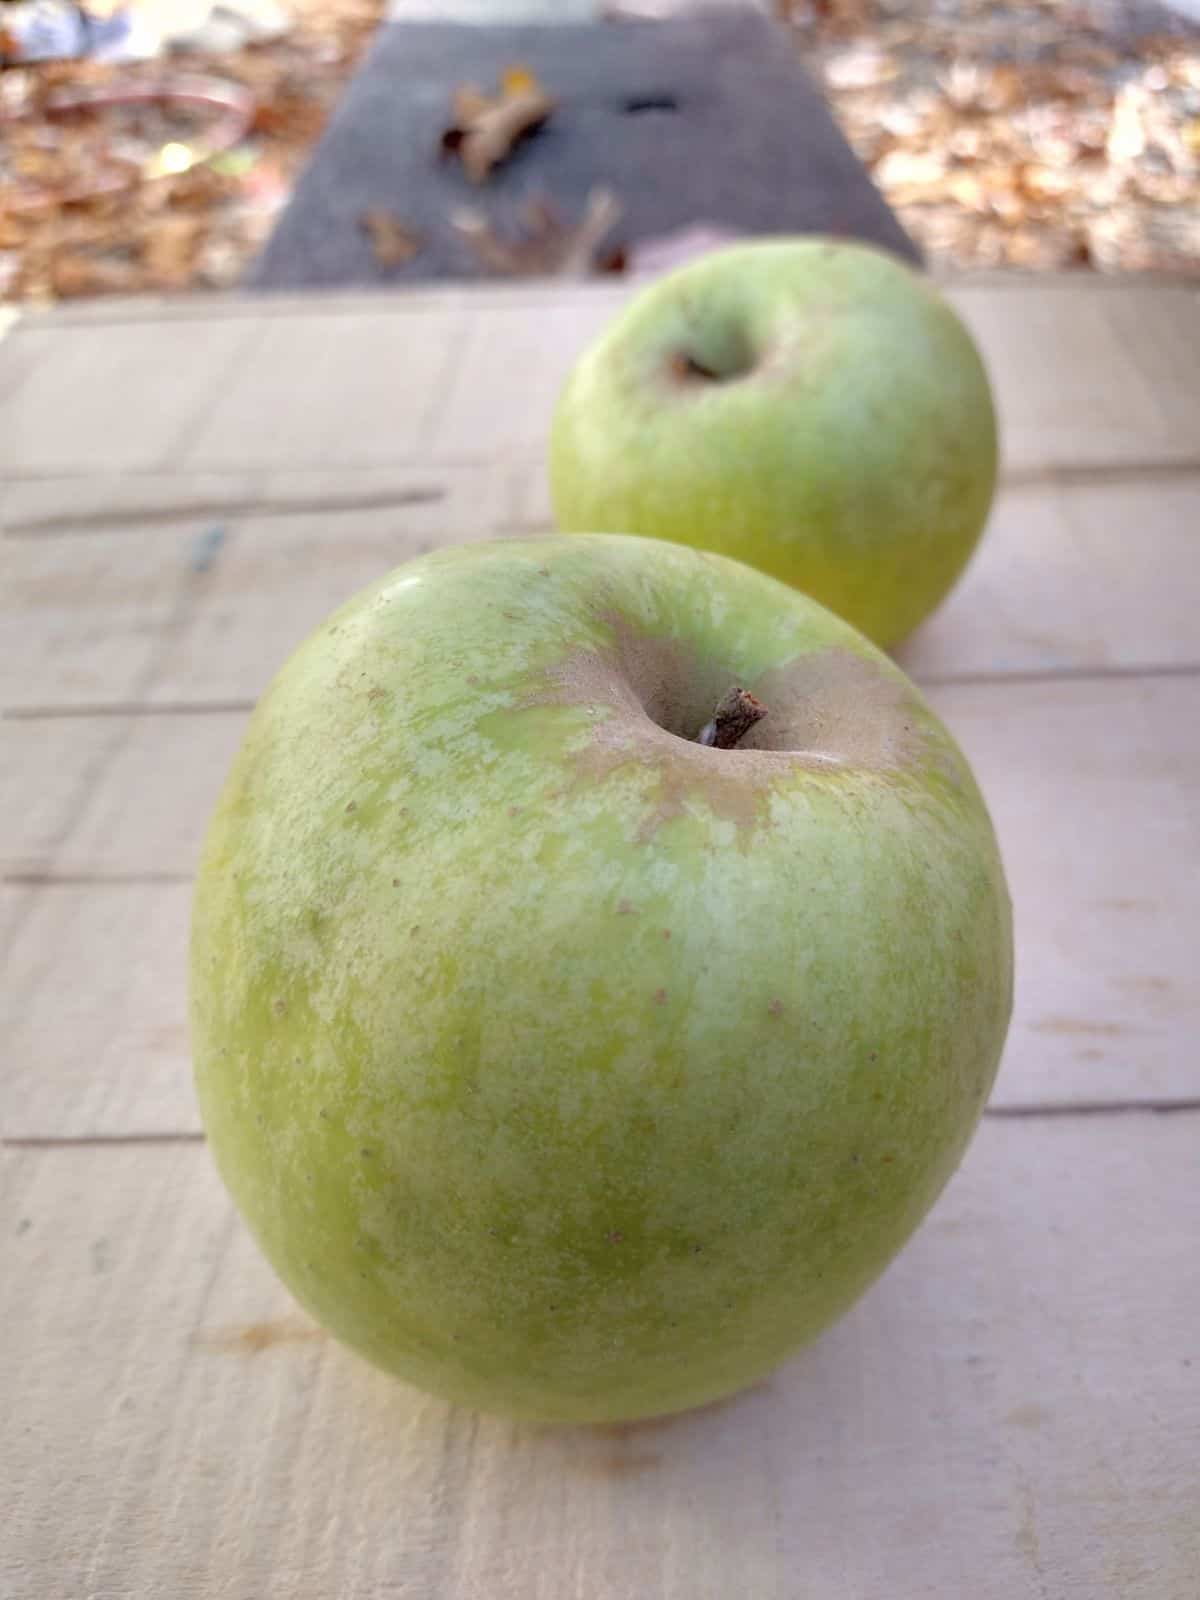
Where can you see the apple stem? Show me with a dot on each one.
(737, 712)
(686, 367)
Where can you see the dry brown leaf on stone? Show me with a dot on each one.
(393, 242)
(549, 247)
(485, 131)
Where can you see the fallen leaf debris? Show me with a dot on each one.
(126, 195)
(1038, 134)
(544, 244)
(393, 242)
(484, 131)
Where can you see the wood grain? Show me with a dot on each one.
(112, 797)
(197, 612)
(1073, 577)
(194, 609)
(1092, 786)
(93, 1010)
(1011, 1412)
(1084, 377)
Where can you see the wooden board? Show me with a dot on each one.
(1091, 784)
(1093, 788)
(1074, 571)
(1010, 1414)
(198, 610)
(1087, 377)
(1095, 574)
(1084, 377)
(93, 1012)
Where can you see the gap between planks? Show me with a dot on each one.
(70, 525)
(938, 680)
(1051, 1109)
(75, 524)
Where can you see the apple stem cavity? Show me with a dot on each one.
(687, 367)
(736, 713)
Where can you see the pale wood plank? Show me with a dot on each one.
(151, 500)
(418, 301)
(83, 619)
(1093, 789)
(112, 797)
(47, 773)
(341, 391)
(15, 901)
(1083, 378)
(224, 306)
(1090, 378)
(58, 389)
(1092, 786)
(513, 364)
(1067, 575)
(1075, 577)
(93, 1010)
(1011, 1412)
(277, 580)
(200, 609)
(1090, 575)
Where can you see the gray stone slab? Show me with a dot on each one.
(709, 118)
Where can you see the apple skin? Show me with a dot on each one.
(849, 448)
(561, 1065)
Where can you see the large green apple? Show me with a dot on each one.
(561, 1063)
(813, 408)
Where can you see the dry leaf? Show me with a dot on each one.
(548, 247)
(1126, 136)
(1043, 183)
(863, 68)
(169, 250)
(909, 176)
(485, 132)
(468, 103)
(72, 275)
(964, 85)
(392, 241)
(88, 225)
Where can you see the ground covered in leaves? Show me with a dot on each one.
(1031, 133)
(1037, 134)
(129, 197)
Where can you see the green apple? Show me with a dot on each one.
(564, 1064)
(813, 408)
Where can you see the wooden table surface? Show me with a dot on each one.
(1013, 1411)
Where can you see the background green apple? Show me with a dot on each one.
(813, 408)
(561, 1064)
